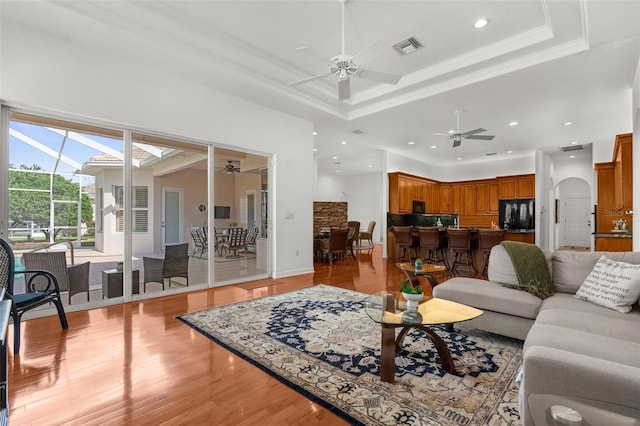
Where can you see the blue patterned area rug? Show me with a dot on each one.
(320, 342)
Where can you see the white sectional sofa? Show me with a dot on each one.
(576, 354)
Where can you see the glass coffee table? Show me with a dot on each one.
(390, 311)
(426, 271)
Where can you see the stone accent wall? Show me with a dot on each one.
(327, 213)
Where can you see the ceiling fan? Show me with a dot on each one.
(458, 135)
(346, 66)
(229, 168)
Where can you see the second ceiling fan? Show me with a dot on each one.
(457, 135)
(346, 66)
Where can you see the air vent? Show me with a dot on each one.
(407, 46)
(491, 153)
(357, 132)
(570, 148)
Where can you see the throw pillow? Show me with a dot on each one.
(612, 284)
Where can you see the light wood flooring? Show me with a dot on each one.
(136, 364)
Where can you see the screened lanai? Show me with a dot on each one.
(68, 191)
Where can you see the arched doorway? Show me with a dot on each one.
(573, 214)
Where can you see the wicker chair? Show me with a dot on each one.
(175, 264)
(73, 279)
(37, 294)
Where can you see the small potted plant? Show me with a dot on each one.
(412, 294)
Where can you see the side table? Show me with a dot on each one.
(112, 282)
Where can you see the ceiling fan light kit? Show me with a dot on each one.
(344, 67)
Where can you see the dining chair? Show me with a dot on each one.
(367, 235)
(175, 264)
(352, 236)
(336, 244)
(46, 290)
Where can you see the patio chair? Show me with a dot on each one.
(235, 241)
(250, 240)
(73, 279)
(175, 264)
(36, 294)
(199, 243)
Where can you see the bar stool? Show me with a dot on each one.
(432, 241)
(404, 241)
(459, 244)
(487, 239)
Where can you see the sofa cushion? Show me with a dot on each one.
(626, 327)
(501, 269)
(490, 296)
(570, 268)
(612, 284)
(567, 302)
(584, 343)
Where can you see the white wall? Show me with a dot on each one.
(473, 171)
(365, 199)
(331, 187)
(47, 74)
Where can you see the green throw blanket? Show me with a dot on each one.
(531, 268)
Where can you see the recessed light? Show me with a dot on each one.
(509, 152)
(411, 143)
(369, 165)
(315, 133)
(343, 142)
(574, 143)
(513, 123)
(335, 157)
(459, 158)
(567, 123)
(572, 156)
(337, 170)
(315, 149)
(481, 23)
(434, 146)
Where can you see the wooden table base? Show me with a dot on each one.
(390, 346)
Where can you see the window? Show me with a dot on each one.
(139, 210)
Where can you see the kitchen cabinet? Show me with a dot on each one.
(515, 187)
(476, 201)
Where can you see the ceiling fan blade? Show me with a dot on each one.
(308, 79)
(344, 89)
(480, 137)
(382, 77)
(442, 134)
(473, 132)
(369, 53)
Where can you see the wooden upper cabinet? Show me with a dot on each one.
(468, 200)
(456, 198)
(445, 199)
(494, 197)
(487, 197)
(514, 187)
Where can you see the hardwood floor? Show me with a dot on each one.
(136, 364)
